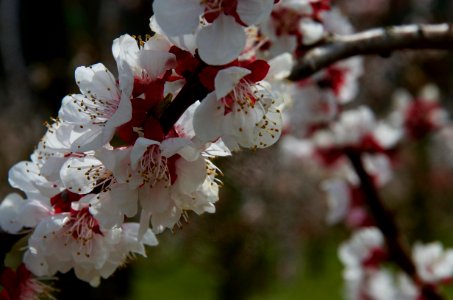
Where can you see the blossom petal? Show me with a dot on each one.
(10, 211)
(208, 119)
(96, 81)
(156, 62)
(254, 11)
(74, 174)
(227, 79)
(70, 110)
(190, 174)
(177, 17)
(91, 138)
(125, 51)
(222, 41)
(181, 146)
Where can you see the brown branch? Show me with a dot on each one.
(385, 221)
(192, 91)
(381, 41)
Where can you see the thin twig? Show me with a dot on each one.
(380, 41)
(385, 221)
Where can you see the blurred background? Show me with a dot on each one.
(268, 239)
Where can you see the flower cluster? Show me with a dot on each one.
(131, 155)
(139, 146)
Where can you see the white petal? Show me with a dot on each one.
(125, 51)
(254, 11)
(90, 138)
(218, 149)
(185, 42)
(280, 67)
(156, 63)
(34, 212)
(182, 146)
(222, 41)
(282, 44)
(177, 17)
(10, 211)
(227, 79)
(122, 115)
(167, 219)
(96, 81)
(155, 199)
(190, 174)
(208, 119)
(73, 174)
(184, 126)
(312, 32)
(70, 110)
(23, 175)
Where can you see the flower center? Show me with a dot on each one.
(153, 166)
(241, 98)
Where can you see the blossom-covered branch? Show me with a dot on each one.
(380, 41)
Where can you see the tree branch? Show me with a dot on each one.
(192, 91)
(380, 41)
(385, 221)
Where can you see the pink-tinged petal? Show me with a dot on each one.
(222, 41)
(191, 175)
(96, 81)
(177, 17)
(254, 11)
(140, 147)
(227, 79)
(208, 119)
(156, 63)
